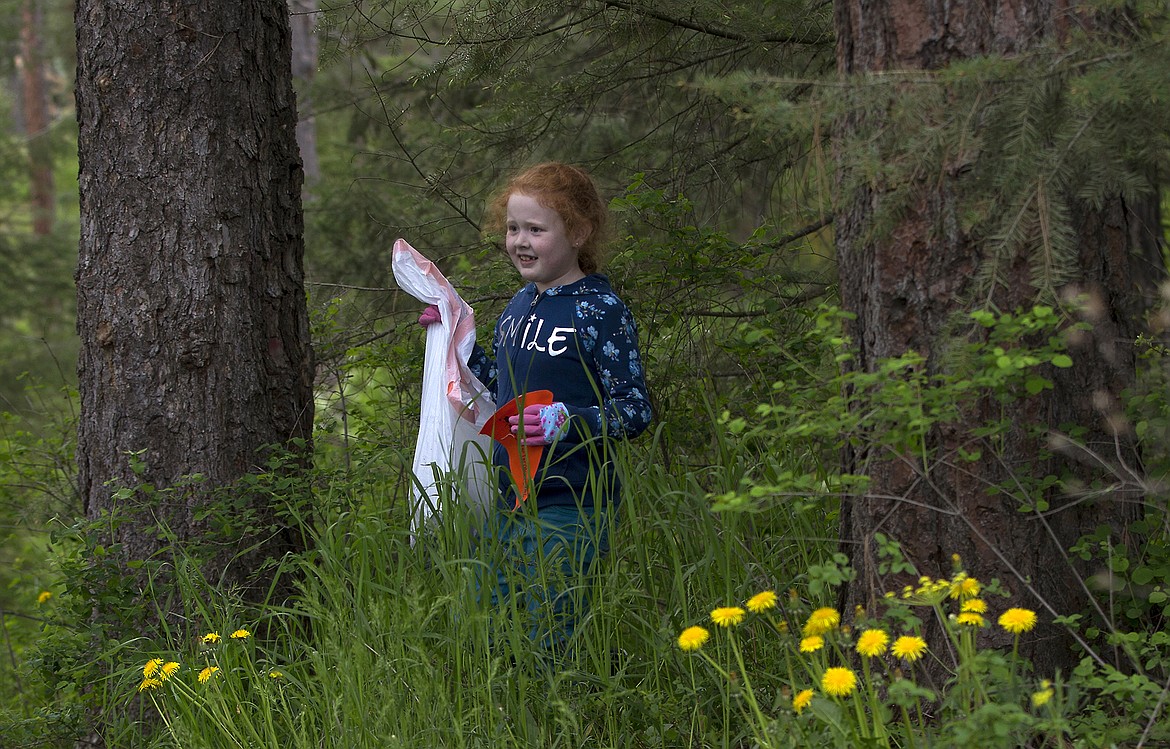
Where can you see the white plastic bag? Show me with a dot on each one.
(455, 404)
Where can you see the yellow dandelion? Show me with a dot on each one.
(802, 700)
(812, 644)
(839, 682)
(44, 597)
(149, 683)
(821, 621)
(782, 626)
(241, 634)
(1018, 620)
(727, 616)
(872, 643)
(970, 619)
(909, 648)
(210, 638)
(274, 674)
(693, 638)
(963, 586)
(1041, 698)
(154, 664)
(207, 673)
(761, 602)
(975, 606)
(167, 670)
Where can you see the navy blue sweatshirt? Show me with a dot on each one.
(579, 341)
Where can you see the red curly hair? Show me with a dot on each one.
(569, 191)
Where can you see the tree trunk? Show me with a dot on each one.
(195, 357)
(907, 286)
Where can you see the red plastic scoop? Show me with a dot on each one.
(522, 460)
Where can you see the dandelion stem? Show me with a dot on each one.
(757, 714)
(909, 728)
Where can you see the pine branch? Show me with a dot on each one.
(719, 31)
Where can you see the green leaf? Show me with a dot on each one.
(1064, 361)
(1035, 385)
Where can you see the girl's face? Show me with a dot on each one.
(538, 244)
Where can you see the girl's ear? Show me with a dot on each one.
(581, 235)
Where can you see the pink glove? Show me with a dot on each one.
(430, 316)
(543, 425)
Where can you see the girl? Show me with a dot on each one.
(566, 332)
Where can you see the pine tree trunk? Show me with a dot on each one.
(195, 354)
(907, 285)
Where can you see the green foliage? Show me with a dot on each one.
(893, 408)
(710, 123)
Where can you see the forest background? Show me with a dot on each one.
(717, 129)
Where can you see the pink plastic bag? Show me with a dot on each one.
(451, 457)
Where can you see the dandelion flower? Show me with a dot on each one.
(1018, 620)
(167, 670)
(821, 621)
(975, 606)
(693, 638)
(210, 638)
(963, 586)
(970, 619)
(727, 616)
(149, 683)
(872, 642)
(839, 682)
(274, 674)
(761, 602)
(802, 700)
(909, 648)
(241, 634)
(812, 644)
(154, 664)
(207, 673)
(44, 597)
(1041, 698)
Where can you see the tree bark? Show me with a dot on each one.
(195, 356)
(908, 285)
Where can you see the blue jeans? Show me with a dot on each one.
(543, 566)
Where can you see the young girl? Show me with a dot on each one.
(567, 332)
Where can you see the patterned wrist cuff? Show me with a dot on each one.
(554, 421)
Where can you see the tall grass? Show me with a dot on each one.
(386, 642)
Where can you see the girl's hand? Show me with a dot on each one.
(543, 425)
(430, 316)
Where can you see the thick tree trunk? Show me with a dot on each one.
(191, 307)
(907, 286)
